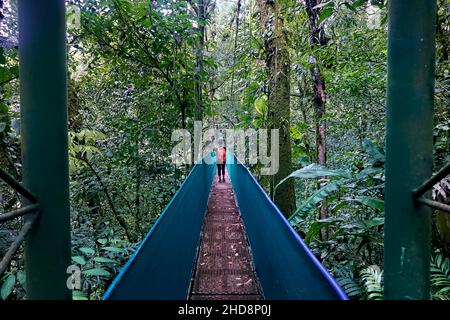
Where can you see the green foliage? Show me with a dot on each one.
(374, 151)
(114, 249)
(78, 295)
(317, 225)
(326, 12)
(8, 71)
(7, 286)
(358, 3)
(367, 285)
(96, 272)
(313, 171)
(355, 221)
(132, 70)
(99, 263)
(306, 207)
(261, 111)
(372, 282)
(20, 275)
(371, 202)
(104, 260)
(82, 145)
(261, 105)
(351, 287)
(12, 281)
(370, 285)
(79, 260)
(440, 277)
(87, 251)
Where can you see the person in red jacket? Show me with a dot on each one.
(221, 158)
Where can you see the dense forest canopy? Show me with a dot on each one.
(138, 70)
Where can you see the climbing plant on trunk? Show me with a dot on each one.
(278, 69)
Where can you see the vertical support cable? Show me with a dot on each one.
(409, 147)
(42, 53)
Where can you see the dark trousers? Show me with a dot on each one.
(221, 169)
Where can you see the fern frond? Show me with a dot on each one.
(350, 286)
(440, 277)
(372, 278)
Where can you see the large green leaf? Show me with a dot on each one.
(380, 3)
(321, 5)
(2, 56)
(440, 277)
(86, 250)
(373, 203)
(21, 277)
(358, 3)
(349, 6)
(372, 281)
(369, 172)
(8, 286)
(314, 171)
(261, 105)
(14, 70)
(375, 222)
(305, 208)
(102, 241)
(78, 295)
(5, 75)
(317, 226)
(374, 151)
(115, 249)
(79, 259)
(295, 133)
(104, 260)
(350, 286)
(326, 12)
(96, 272)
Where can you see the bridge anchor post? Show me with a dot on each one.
(409, 147)
(43, 99)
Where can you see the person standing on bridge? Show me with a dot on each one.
(221, 159)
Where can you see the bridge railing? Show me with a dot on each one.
(161, 267)
(285, 266)
(29, 212)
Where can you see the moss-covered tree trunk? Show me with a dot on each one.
(278, 68)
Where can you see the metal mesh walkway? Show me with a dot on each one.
(224, 268)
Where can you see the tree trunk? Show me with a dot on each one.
(198, 115)
(238, 12)
(317, 38)
(122, 222)
(278, 68)
(137, 200)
